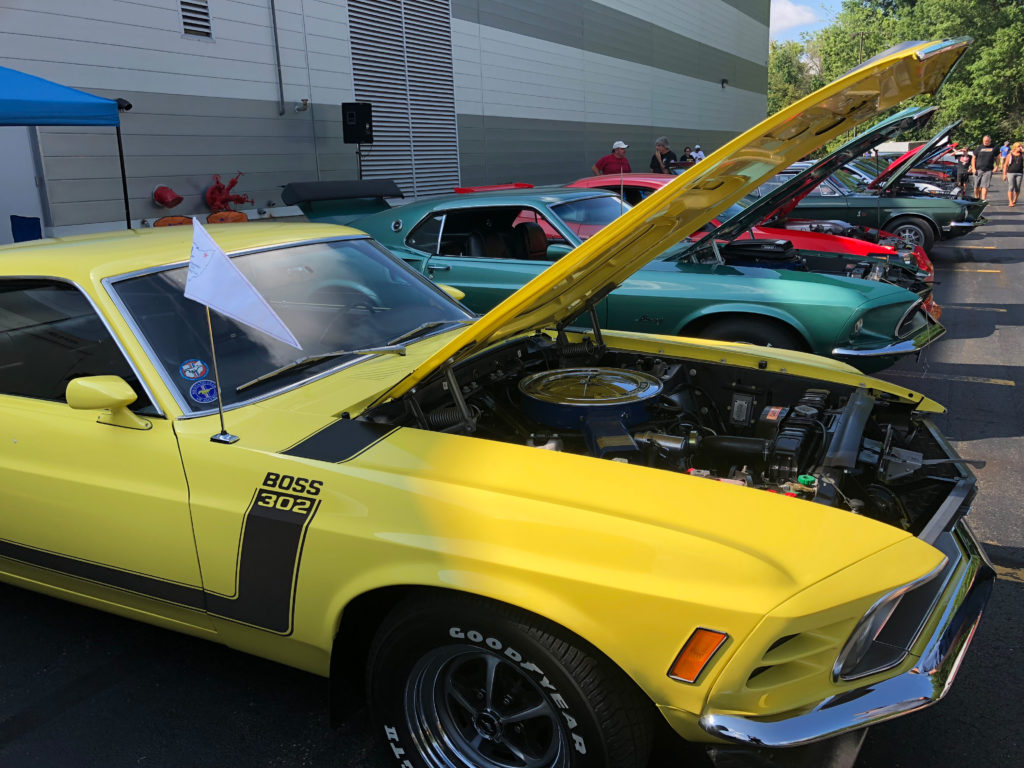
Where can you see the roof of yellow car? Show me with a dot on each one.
(112, 253)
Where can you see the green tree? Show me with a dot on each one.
(788, 79)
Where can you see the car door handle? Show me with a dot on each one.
(442, 268)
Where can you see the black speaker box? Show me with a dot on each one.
(357, 122)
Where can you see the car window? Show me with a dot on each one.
(426, 236)
(828, 190)
(587, 216)
(49, 335)
(338, 295)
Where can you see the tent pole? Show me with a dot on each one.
(124, 180)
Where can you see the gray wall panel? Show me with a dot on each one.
(599, 29)
(552, 152)
(181, 141)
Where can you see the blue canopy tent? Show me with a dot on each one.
(29, 100)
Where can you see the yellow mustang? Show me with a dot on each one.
(528, 542)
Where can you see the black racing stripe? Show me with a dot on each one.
(180, 594)
(343, 440)
(268, 561)
(268, 564)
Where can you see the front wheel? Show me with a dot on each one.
(752, 330)
(462, 682)
(914, 230)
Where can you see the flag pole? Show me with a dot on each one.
(223, 436)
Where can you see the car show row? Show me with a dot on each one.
(538, 471)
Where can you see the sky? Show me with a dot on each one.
(791, 17)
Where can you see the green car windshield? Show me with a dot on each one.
(333, 296)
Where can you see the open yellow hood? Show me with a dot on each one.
(612, 255)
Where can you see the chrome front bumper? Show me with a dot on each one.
(921, 686)
(932, 331)
(956, 228)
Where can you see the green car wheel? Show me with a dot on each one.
(914, 230)
(753, 331)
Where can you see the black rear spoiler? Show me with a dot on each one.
(339, 202)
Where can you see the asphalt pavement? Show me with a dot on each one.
(84, 689)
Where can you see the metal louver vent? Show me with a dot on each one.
(195, 18)
(402, 64)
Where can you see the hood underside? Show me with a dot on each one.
(781, 200)
(903, 165)
(608, 258)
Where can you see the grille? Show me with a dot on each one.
(195, 18)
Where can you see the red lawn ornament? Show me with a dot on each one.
(219, 197)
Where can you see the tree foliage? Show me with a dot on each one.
(986, 90)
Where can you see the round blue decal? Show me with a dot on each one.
(204, 391)
(193, 369)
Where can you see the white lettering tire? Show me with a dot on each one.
(456, 681)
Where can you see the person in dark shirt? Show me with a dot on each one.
(982, 163)
(616, 162)
(662, 156)
(963, 172)
(1013, 167)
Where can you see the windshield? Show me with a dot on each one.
(585, 217)
(345, 294)
(849, 180)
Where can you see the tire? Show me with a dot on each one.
(753, 330)
(456, 681)
(913, 229)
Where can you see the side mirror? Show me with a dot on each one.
(557, 251)
(452, 291)
(110, 394)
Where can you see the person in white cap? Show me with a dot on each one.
(698, 153)
(616, 162)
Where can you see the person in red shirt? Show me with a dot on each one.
(616, 162)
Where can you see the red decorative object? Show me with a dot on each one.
(219, 197)
(166, 197)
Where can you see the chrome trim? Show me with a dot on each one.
(964, 224)
(922, 685)
(895, 594)
(906, 316)
(931, 331)
(187, 411)
(110, 330)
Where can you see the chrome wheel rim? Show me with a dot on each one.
(911, 234)
(472, 708)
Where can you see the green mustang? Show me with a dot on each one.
(490, 243)
(918, 217)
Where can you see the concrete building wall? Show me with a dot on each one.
(541, 90)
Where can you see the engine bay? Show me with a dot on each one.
(819, 441)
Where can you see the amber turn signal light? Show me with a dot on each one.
(696, 654)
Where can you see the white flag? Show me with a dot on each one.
(214, 281)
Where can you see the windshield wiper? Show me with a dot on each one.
(302, 362)
(423, 328)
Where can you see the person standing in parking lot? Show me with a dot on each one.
(662, 156)
(1003, 152)
(982, 163)
(1013, 170)
(616, 162)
